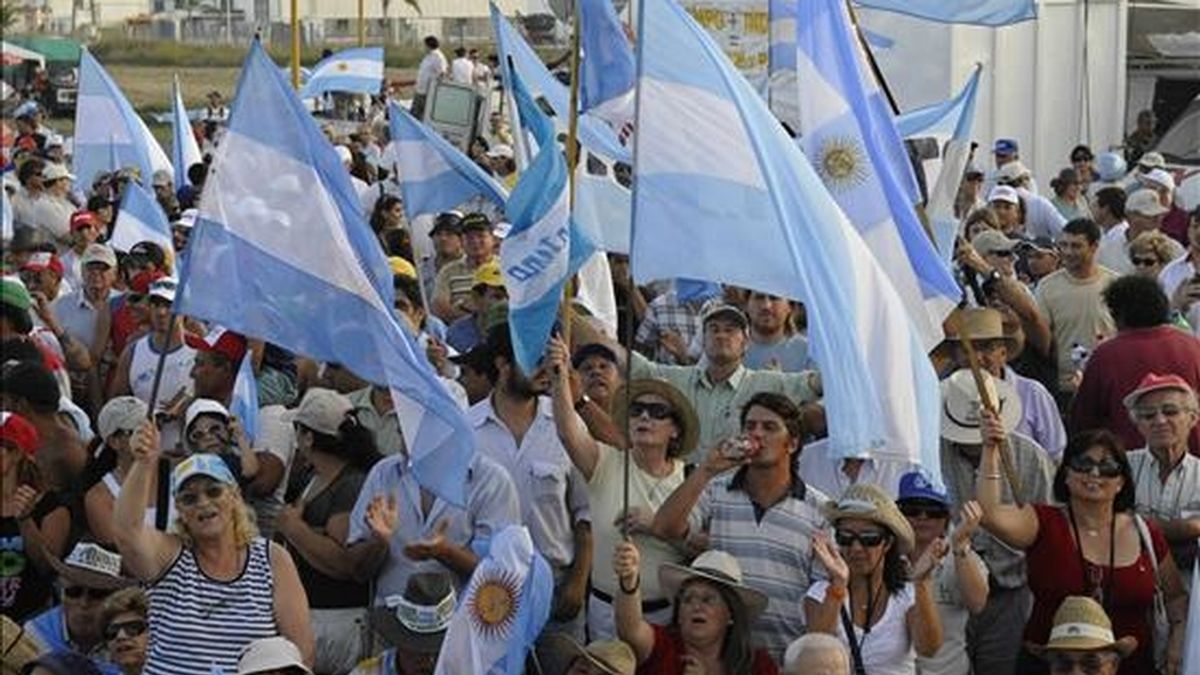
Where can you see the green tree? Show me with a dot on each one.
(9, 15)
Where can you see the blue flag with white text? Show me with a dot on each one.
(281, 252)
(358, 70)
(434, 175)
(545, 247)
(979, 12)
(140, 219)
(723, 193)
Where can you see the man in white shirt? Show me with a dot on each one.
(433, 67)
(462, 70)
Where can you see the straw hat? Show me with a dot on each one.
(717, 567)
(868, 502)
(685, 414)
(19, 647)
(610, 656)
(980, 323)
(91, 566)
(961, 406)
(1080, 625)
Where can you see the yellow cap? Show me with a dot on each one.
(401, 267)
(488, 274)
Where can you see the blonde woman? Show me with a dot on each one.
(214, 585)
(1150, 252)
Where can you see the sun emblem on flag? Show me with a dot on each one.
(342, 66)
(494, 603)
(841, 164)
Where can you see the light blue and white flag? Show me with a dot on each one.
(723, 194)
(1191, 641)
(185, 151)
(244, 403)
(950, 124)
(140, 219)
(502, 612)
(358, 70)
(978, 12)
(849, 135)
(281, 252)
(434, 175)
(107, 129)
(607, 73)
(545, 247)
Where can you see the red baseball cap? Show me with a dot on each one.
(84, 218)
(140, 283)
(1155, 382)
(18, 431)
(43, 261)
(227, 343)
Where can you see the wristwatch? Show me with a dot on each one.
(583, 400)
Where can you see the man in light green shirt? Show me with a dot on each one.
(720, 384)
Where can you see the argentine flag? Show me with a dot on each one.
(849, 135)
(108, 131)
(502, 612)
(434, 175)
(184, 150)
(244, 404)
(282, 253)
(544, 247)
(140, 219)
(351, 70)
(722, 193)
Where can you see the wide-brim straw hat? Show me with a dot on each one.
(868, 502)
(979, 323)
(1081, 625)
(610, 656)
(717, 567)
(685, 414)
(962, 406)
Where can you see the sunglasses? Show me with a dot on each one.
(1002, 254)
(846, 538)
(125, 628)
(919, 511)
(192, 497)
(1168, 411)
(1144, 262)
(1107, 467)
(1090, 664)
(77, 592)
(656, 411)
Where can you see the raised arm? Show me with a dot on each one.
(1016, 526)
(969, 567)
(671, 520)
(822, 616)
(580, 446)
(632, 627)
(145, 551)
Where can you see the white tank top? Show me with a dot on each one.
(177, 374)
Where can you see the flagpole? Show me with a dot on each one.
(295, 44)
(875, 70)
(565, 309)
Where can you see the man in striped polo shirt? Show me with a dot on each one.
(762, 513)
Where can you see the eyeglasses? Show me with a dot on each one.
(124, 629)
(1144, 262)
(200, 432)
(919, 511)
(77, 592)
(192, 497)
(708, 599)
(656, 411)
(1168, 411)
(1090, 664)
(1106, 468)
(1002, 254)
(846, 538)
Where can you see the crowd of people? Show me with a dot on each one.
(679, 488)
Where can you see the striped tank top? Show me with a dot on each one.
(199, 625)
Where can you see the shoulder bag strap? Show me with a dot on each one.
(855, 650)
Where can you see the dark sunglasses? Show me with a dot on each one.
(77, 592)
(921, 511)
(1002, 254)
(1107, 467)
(1144, 262)
(656, 411)
(846, 539)
(192, 497)
(127, 628)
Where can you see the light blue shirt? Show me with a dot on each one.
(1039, 414)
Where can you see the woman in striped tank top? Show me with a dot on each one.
(214, 584)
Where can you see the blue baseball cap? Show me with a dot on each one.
(916, 485)
(203, 464)
(1005, 146)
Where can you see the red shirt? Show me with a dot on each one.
(667, 657)
(1055, 573)
(1115, 368)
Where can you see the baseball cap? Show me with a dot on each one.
(501, 150)
(164, 289)
(322, 410)
(186, 219)
(202, 464)
(54, 171)
(475, 221)
(18, 431)
(488, 274)
(140, 283)
(43, 261)
(1039, 244)
(122, 413)
(916, 485)
(448, 221)
(401, 267)
(1005, 146)
(98, 253)
(991, 241)
(1004, 193)
(1145, 202)
(149, 251)
(14, 293)
(1012, 172)
(1157, 178)
(84, 218)
(720, 310)
(1155, 382)
(591, 349)
(204, 406)
(221, 341)
(269, 655)
(1152, 160)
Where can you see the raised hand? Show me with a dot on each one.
(146, 444)
(969, 518)
(831, 558)
(627, 563)
(382, 515)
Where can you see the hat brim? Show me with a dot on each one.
(87, 578)
(690, 433)
(956, 428)
(562, 650)
(1124, 646)
(385, 623)
(895, 522)
(1131, 399)
(671, 576)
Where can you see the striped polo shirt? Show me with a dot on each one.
(772, 545)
